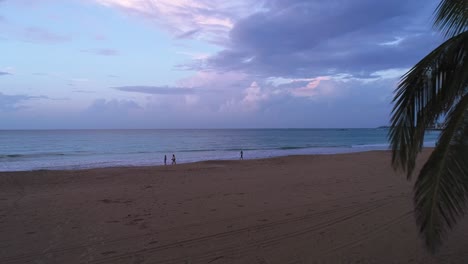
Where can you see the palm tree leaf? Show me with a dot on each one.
(441, 190)
(452, 17)
(424, 94)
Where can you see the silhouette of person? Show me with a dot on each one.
(165, 160)
(173, 159)
(241, 155)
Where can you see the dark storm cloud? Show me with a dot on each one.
(306, 38)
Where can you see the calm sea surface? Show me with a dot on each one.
(71, 149)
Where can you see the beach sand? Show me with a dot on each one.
(346, 208)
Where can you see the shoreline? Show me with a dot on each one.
(84, 167)
(57, 150)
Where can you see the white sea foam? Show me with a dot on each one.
(76, 149)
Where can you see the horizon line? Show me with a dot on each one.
(245, 128)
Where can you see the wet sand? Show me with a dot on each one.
(346, 208)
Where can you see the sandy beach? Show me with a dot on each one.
(345, 208)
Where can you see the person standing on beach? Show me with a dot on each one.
(165, 160)
(242, 155)
(173, 159)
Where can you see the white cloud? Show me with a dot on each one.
(210, 20)
(191, 100)
(394, 42)
(315, 88)
(253, 96)
(7, 70)
(306, 87)
(280, 80)
(195, 55)
(214, 80)
(390, 73)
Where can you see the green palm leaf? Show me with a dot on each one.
(436, 87)
(452, 17)
(427, 92)
(441, 190)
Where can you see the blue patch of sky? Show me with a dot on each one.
(147, 54)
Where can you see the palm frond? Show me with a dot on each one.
(452, 17)
(425, 93)
(441, 190)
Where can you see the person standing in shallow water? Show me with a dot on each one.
(165, 160)
(241, 155)
(173, 159)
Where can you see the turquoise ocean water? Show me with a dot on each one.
(72, 149)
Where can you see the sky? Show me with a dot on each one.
(92, 64)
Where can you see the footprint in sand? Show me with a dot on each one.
(261, 260)
(138, 260)
(134, 221)
(106, 253)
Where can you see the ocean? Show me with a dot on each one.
(76, 149)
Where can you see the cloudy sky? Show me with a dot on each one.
(206, 63)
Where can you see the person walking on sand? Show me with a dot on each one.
(173, 160)
(165, 160)
(241, 155)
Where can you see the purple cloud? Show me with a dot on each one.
(4, 73)
(13, 102)
(298, 38)
(164, 90)
(188, 34)
(303, 38)
(207, 19)
(83, 91)
(112, 107)
(102, 52)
